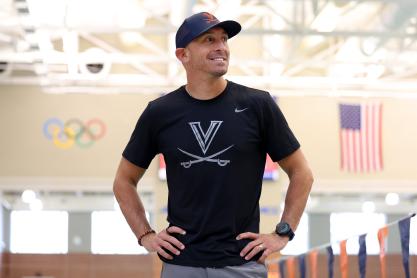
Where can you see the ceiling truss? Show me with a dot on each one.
(341, 45)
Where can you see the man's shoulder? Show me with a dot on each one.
(250, 92)
(167, 98)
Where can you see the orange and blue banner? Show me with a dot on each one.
(302, 265)
(382, 234)
(330, 261)
(343, 257)
(291, 267)
(313, 263)
(281, 265)
(362, 256)
(404, 226)
(286, 265)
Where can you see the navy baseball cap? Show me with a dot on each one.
(197, 24)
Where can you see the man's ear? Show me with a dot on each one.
(182, 54)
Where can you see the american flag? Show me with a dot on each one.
(361, 137)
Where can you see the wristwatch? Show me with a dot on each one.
(284, 229)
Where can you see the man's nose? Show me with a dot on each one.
(221, 44)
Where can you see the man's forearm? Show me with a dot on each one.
(132, 207)
(296, 198)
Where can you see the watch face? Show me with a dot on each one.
(283, 228)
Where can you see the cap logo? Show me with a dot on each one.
(209, 18)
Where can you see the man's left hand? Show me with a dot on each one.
(266, 243)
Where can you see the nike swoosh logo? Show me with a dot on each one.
(240, 110)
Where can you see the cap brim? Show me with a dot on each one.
(231, 27)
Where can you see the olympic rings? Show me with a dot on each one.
(64, 135)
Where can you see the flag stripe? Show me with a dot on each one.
(373, 138)
(366, 121)
(349, 149)
(358, 167)
(342, 150)
(360, 153)
(364, 141)
(377, 141)
(354, 148)
(380, 138)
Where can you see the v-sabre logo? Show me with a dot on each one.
(204, 140)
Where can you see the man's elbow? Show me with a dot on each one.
(304, 176)
(117, 186)
(122, 183)
(309, 178)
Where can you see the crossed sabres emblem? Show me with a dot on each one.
(204, 140)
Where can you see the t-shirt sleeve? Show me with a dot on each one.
(278, 138)
(141, 148)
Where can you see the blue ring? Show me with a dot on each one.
(48, 122)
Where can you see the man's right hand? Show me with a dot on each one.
(157, 242)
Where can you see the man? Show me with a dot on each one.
(214, 135)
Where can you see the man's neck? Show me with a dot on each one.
(206, 89)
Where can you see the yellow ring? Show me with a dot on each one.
(70, 134)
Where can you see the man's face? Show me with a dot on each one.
(209, 53)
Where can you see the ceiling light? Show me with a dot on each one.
(94, 67)
(369, 46)
(392, 199)
(368, 207)
(95, 62)
(28, 196)
(129, 38)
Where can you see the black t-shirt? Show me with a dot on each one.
(215, 152)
